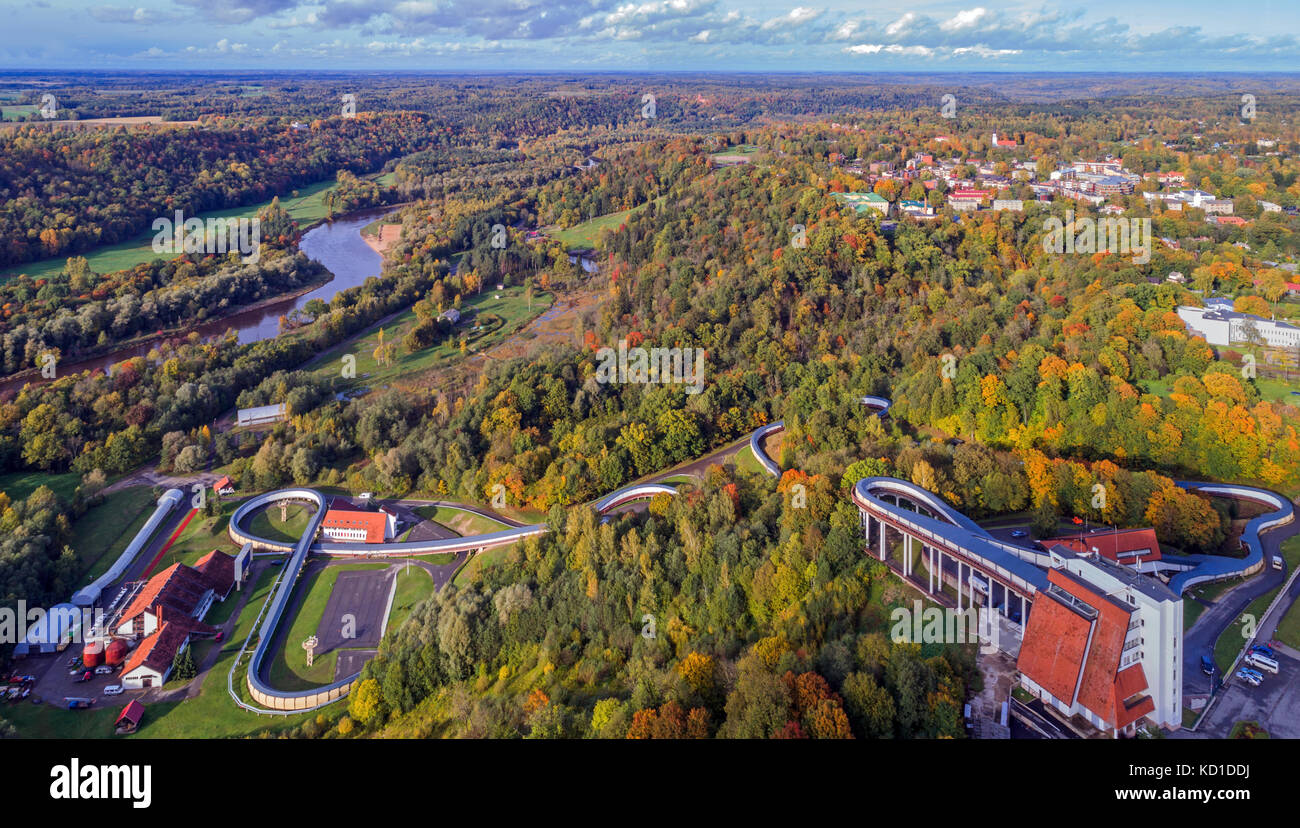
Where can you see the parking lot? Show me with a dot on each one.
(1275, 704)
(59, 676)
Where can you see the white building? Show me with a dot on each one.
(1219, 326)
(1105, 644)
(263, 414)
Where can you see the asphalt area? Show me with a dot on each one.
(1275, 703)
(354, 614)
(350, 662)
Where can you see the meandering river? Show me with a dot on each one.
(337, 245)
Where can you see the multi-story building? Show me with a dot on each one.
(1104, 643)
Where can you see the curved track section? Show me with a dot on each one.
(880, 404)
(281, 701)
(1217, 567)
(952, 530)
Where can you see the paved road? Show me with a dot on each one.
(1199, 640)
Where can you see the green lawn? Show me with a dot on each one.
(413, 586)
(470, 571)
(19, 485)
(746, 461)
(587, 234)
(460, 521)
(1191, 611)
(1273, 390)
(288, 669)
(1288, 629)
(499, 317)
(307, 207)
(15, 112)
(102, 533)
(267, 524)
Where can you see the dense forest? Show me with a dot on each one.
(1020, 380)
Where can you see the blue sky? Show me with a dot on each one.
(603, 35)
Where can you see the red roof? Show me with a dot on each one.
(223, 484)
(132, 713)
(219, 570)
(1052, 652)
(158, 650)
(344, 514)
(178, 588)
(1125, 546)
(1053, 647)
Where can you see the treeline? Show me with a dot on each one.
(66, 193)
(704, 618)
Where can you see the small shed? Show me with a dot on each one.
(129, 719)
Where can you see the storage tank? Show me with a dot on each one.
(115, 652)
(93, 654)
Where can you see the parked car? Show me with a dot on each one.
(103, 670)
(1278, 563)
(221, 636)
(1207, 665)
(113, 690)
(1264, 650)
(1257, 674)
(1019, 533)
(1263, 662)
(86, 676)
(1248, 678)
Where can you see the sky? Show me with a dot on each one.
(675, 35)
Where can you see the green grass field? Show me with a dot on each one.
(307, 207)
(202, 535)
(470, 571)
(267, 524)
(413, 586)
(102, 533)
(459, 521)
(506, 314)
(1273, 390)
(15, 112)
(288, 669)
(19, 485)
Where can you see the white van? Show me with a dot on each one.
(112, 690)
(1277, 562)
(1263, 662)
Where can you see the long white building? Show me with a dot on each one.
(1226, 327)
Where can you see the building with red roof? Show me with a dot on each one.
(1131, 547)
(1103, 643)
(223, 486)
(347, 522)
(178, 592)
(150, 663)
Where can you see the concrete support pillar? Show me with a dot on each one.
(958, 585)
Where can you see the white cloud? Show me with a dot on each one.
(963, 19)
